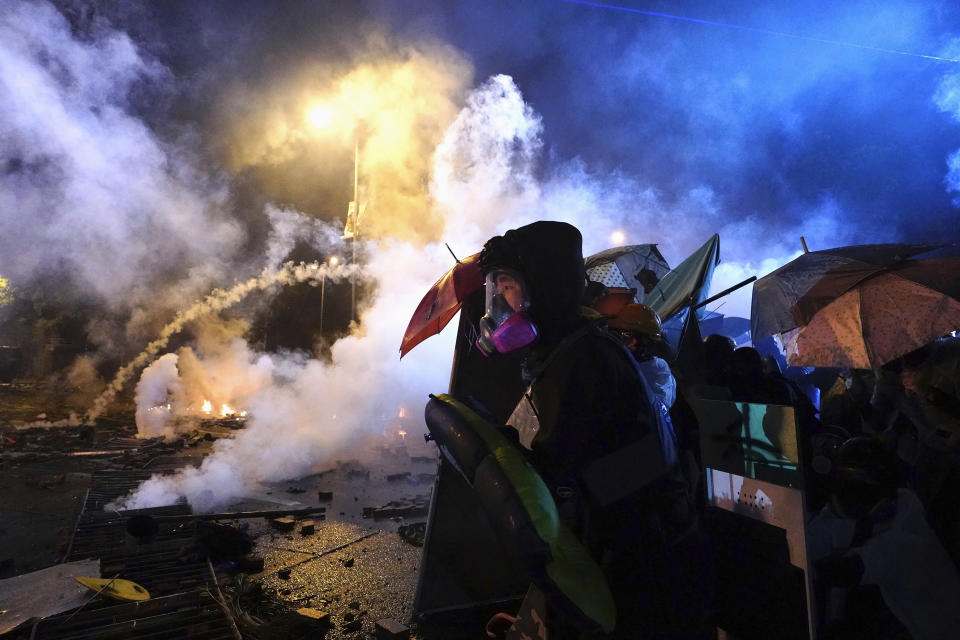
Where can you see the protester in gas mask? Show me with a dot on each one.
(596, 433)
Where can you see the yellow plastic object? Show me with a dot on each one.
(117, 589)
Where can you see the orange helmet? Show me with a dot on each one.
(637, 318)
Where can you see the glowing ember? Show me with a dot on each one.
(207, 407)
(226, 411)
(402, 434)
(402, 412)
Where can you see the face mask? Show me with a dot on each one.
(506, 326)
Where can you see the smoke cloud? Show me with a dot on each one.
(154, 166)
(88, 193)
(159, 384)
(215, 301)
(391, 106)
(484, 181)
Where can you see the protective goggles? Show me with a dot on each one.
(506, 326)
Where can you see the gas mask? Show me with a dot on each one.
(506, 326)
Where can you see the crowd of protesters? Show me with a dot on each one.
(882, 477)
(878, 452)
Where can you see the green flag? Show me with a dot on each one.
(689, 283)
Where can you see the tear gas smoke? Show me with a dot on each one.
(218, 300)
(157, 384)
(94, 187)
(394, 103)
(177, 390)
(947, 99)
(88, 193)
(483, 183)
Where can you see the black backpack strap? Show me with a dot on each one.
(636, 465)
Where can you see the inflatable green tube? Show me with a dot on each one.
(519, 504)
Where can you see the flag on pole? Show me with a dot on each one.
(352, 226)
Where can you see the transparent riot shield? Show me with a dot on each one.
(464, 570)
(755, 514)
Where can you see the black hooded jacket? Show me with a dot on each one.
(586, 389)
(591, 402)
(549, 256)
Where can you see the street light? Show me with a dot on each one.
(321, 116)
(323, 285)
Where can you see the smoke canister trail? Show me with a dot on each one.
(218, 300)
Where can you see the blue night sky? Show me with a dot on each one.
(751, 119)
(775, 126)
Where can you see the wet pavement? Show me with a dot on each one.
(368, 580)
(355, 565)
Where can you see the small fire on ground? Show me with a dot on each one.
(206, 407)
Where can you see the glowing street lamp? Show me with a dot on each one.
(353, 230)
(321, 116)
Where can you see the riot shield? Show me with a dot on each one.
(464, 567)
(756, 515)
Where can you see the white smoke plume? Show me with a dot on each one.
(287, 226)
(87, 190)
(177, 390)
(484, 182)
(947, 99)
(217, 300)
(158, 386)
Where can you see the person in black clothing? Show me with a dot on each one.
(598, 436)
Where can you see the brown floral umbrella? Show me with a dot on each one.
(885, 315)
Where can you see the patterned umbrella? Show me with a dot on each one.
(789, 297)
(882, 316)
(638, 266)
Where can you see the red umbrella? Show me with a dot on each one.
(442, 302)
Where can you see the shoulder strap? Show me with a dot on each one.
(564, 344)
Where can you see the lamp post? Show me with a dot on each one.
(356, 229)
(323, 285)
(321, 117)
